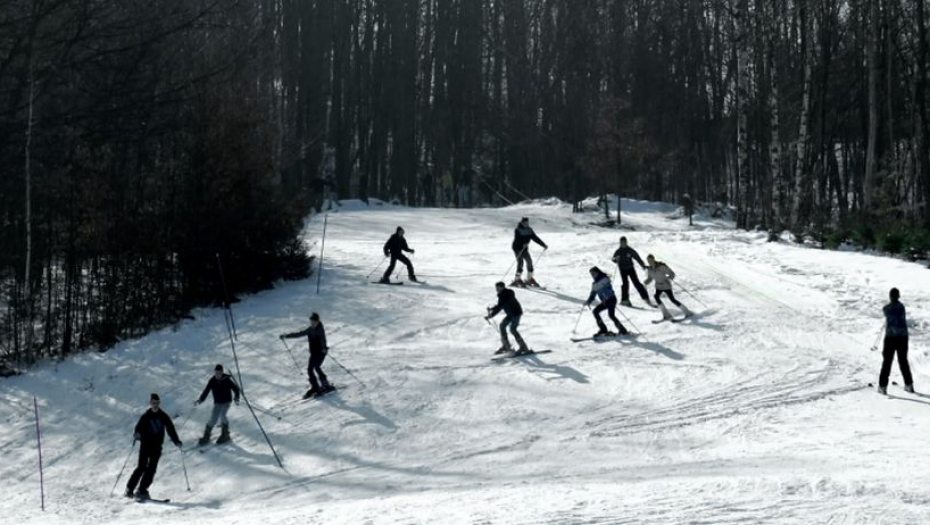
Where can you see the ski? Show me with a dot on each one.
(318, 394)
(379, 282)
(151, 500)
(670, 319)
(603, 337)
(514, 355)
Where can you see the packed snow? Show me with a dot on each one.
(755, 411)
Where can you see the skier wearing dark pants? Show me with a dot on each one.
(602, 289)
(507, 301)
(150, 433)
(223, 388)
(663, 275)
(896, 338)
(394, 248)
(522, 236)
(316, 337)
(624, 257)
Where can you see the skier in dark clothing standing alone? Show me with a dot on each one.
(394, 248)
(624, 257)
(316, 337)
(522, 236)
(896, 338)
(223, 388)
(507, 301)
(150, 433)
(602, 289)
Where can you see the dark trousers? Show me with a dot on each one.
(627, 275)
(611, 306)
(314, 371)
(402, 258)
(895, 345)
(669, 293)
(523, 256)
(513, 321)
(146, 468)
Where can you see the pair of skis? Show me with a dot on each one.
(512, 355)
(605, 337)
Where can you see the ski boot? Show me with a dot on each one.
(883, 390)
(518, 281)
(413, 279)
(626, 302)
(325, 389)
(312, 391)
(142, 495)
(503, 350)
(665, 314)
(384, 280)
(686, 311)
(523, 350)
(129, 493)
(622, 330)
(909, 389)
(224, 435)
(206, 435)
(530, 281)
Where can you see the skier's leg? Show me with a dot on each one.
(314, 386)
(901, 348)
(139, 470)
(602, 328)
(151, 468)
(519, 256)
(390, 269)
(529, 261)
(671, 297)
(625, 287)
(403, 258)
(639, 286)
(888, 351)
(222, 409)
(504, 341)
(612, 313)
(516, 335)
(318, 368)
(658, 298)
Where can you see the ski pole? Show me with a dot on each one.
(187, 418)
(124, 466)
(319, 275)
(578, 320)
(350, 373)
(376, 268)
(296, 364)
(513, 263)
(546, 249)
(629, 321)
(683, 289)
(35, 404)
(266, 412)
(184, 467)
(878, 337)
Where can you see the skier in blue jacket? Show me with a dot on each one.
(602, 289)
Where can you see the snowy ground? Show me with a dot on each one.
(755, 412)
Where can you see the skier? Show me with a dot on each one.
(316, 337)
(605, 292)
(896, 338)
(507, 301)
(522, 235)
(624, 257)
(663, 275)
(688, 207)
(150, 433)
(223, 388)
(394, 247)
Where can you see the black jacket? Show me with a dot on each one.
(522, 236)
(895, 320)
(395, 245)
(506, 301)
(316, 337)
(223, 389)
(151, 429)
(625, 256)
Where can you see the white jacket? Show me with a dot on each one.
(662, 275)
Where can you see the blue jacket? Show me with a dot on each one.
(895, 320)
(601, 288)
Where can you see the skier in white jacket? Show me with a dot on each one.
(663, 275)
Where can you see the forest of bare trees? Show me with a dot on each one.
(139, 139)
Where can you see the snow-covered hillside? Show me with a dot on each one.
(756, 411)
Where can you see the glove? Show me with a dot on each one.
(281, 337)
(385, 254)
(545, 247)
(196, 402)
(413, 251)
(588, 304)
(178, 444)
(136, 436)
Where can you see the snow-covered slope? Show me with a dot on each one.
(757, 411)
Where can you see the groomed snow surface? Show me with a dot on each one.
(756, 411)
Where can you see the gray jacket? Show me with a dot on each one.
(662, 275)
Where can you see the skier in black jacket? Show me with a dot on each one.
(394, 247)
(624, 257)
(316, 337)
(223, 388)
(522, 235)
(896, 339)
(150, 433)
(507, 301)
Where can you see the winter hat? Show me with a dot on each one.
(525, 219)
(895, 294)
(622, 239)
(154, 397)
(400, 230)
(314, 316)
(595, 270)
(218, 368)
(500, 284)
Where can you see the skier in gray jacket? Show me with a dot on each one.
(663, 275)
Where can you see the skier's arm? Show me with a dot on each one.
(616, 257)
(234, 387)
(404, 247)
(172, 433)
(669, 273)
(637, 258)
(387, 247)
(496, 308)
(295, 335)
(206, 390)
(539, 241)
(323, 339)
(591, 296)
(137, 431)
(648, 277)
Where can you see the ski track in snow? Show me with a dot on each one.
(754, 411)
